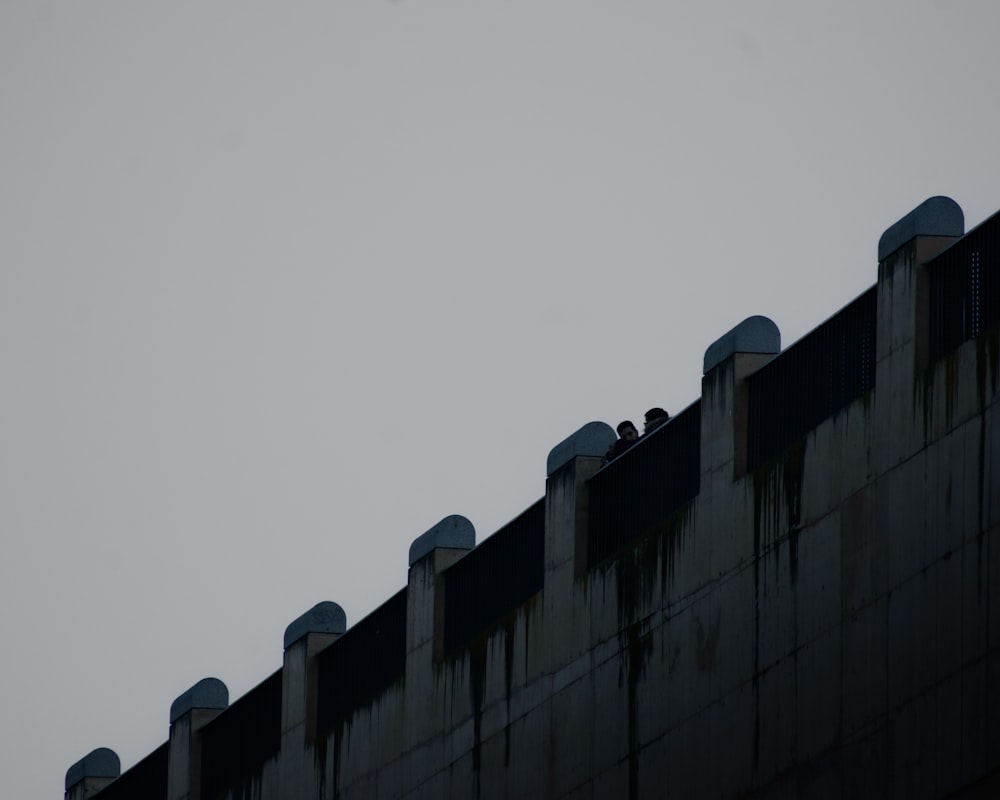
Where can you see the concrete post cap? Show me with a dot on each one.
(936, 216)
(754, 335)
(593, 439)
(99, 763)
(325, 617)
(206, 693)
(452, 532)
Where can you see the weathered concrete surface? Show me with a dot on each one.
(827, 624)
(823, 627)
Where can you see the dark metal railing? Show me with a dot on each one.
(237, 743)
(362, 663)
(965, 289)
(638, 490)
(495, 578)
(813, 379)
(147, 779)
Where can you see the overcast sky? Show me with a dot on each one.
(284, 284)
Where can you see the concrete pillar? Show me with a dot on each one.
(902, 334)
(721, 542)
(304, 638)
(189, 713)
(430, 554)
(92, 773)
(724, 394)
(570, 464)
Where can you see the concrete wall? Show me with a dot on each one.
(826, 625)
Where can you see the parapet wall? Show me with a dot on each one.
(790, 589)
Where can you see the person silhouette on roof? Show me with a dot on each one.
(655, 417)
(628, 436)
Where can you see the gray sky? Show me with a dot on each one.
(282, 285)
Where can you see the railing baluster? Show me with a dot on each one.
(363, 662)
(495, 578)
(965, 289)
(645, 485)
(813, 379)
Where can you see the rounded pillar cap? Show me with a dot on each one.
(325, 617)
(207, 693)
(99, 763)
(455, 532)
(754, 335)
(593, 439)
(936, 216)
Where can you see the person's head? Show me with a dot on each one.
(627, 431)
(654, 418)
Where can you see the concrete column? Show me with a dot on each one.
(430, 554)
(189, 713)
(92, 773)
(902, 334)
(725, 397)
(721, 543)
(304, 638)
(570, 464)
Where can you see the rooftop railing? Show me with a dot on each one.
(495, 578)
(817, 376)
(638, 490)
(965, 289)
(362, 663)
(237, 743)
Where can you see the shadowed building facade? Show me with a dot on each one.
(791, 589)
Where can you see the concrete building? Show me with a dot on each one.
(791, 589)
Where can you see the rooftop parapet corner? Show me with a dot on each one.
(325, 617)
(206, 693)
(99, 763)
(754, 335)
(593, 439)
(936, 216)
(455, 532)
